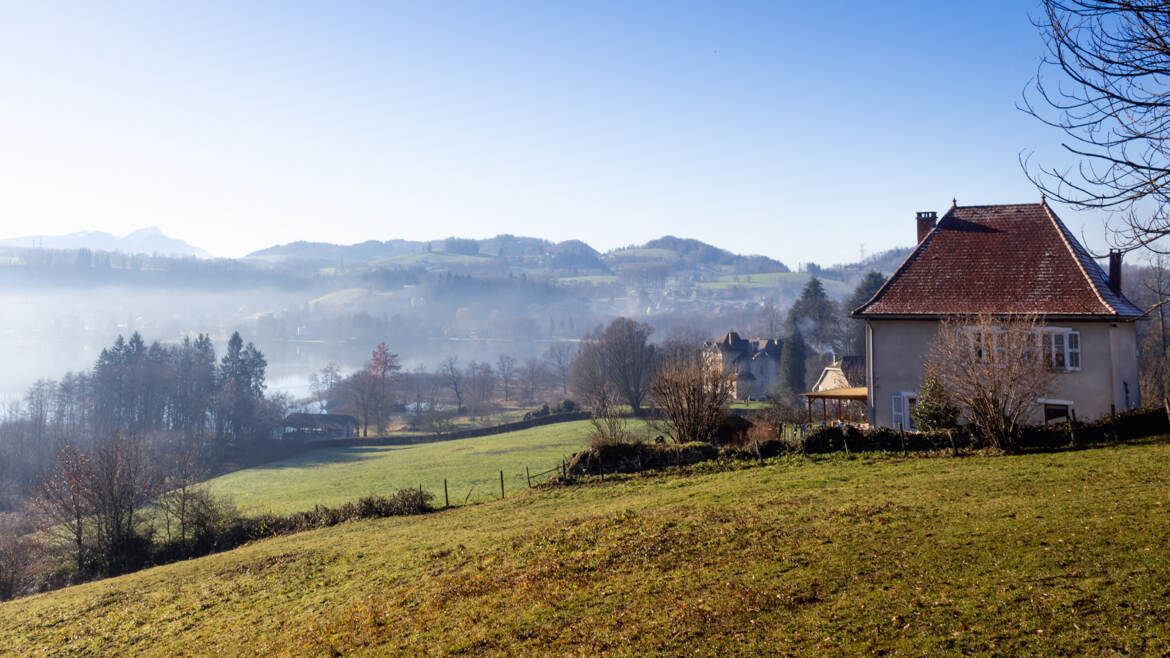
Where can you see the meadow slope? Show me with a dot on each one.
(1034, 554)
(332, 476)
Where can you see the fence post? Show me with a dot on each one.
(1113, 422)
(446, 500)
(902, 433)
(420, 495)
(501, 485)
(529, 476)
(564, 472)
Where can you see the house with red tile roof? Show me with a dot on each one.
(1004, 260)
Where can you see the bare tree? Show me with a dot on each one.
(122, 480)
(693, 398)
(770, 318)
(384, 368)
(609, 426)
(1107, 92)
(325, 383)
(481, 387)
(180, 495)
(559, 357)
(532, 374)
(18, 553)
(506, 368)
(1155, 374)
(683, 343)
(63, 500)
(995, 370)
(618, 359)
(453, 378)
(360, 396)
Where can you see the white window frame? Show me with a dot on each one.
(901, 410)
(1044, 402)
(1067, 352)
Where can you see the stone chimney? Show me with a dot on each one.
(926, 222)
(1115, 270)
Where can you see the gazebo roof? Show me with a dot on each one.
(851, 393)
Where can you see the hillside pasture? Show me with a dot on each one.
(331, 476)
(788, 282)
(1041, 554)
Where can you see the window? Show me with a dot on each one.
(1057, 410)
(904, 404)
(1061, 348)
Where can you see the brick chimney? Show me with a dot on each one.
(926, 222)
(1115, 270)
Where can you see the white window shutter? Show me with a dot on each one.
(1073, 343)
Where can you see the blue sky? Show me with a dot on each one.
(799, 132)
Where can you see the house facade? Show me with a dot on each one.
(755, 364)
(1004, 260)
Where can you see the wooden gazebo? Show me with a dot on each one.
(841, 395)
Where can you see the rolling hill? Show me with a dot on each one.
(1039, 554)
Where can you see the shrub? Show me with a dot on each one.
(638, 457)
(934, 410)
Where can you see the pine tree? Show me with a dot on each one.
(853, 334)
(817, 316)
(792, 360)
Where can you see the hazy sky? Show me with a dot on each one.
(796, 132)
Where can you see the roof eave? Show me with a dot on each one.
(1045, 316)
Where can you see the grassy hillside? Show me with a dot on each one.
(335, 475)
(1060, 553)
(790, 282)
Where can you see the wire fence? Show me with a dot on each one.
(526, 479)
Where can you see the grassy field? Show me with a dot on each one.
(590, 278)
(793, 281)
(331, 476)
(435, 259)
(1042, 554)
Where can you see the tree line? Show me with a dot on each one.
(180, 394)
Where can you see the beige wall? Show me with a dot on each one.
(1108, 374)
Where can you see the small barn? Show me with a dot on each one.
(319, 427)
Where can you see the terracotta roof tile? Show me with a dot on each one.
(999, 259)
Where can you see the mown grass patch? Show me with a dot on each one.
(1039, 554)
(332, 476)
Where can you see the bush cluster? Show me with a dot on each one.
(227, 529)
(638, 457)
(565, 407)
(1124, 426)
(26, 565)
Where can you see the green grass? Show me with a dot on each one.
(790, 280)
(435, 259)
(595, 279)
(638, 254)
(1042, 554)
(331, 476)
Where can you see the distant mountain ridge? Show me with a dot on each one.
(572, 255)
(150, 240)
